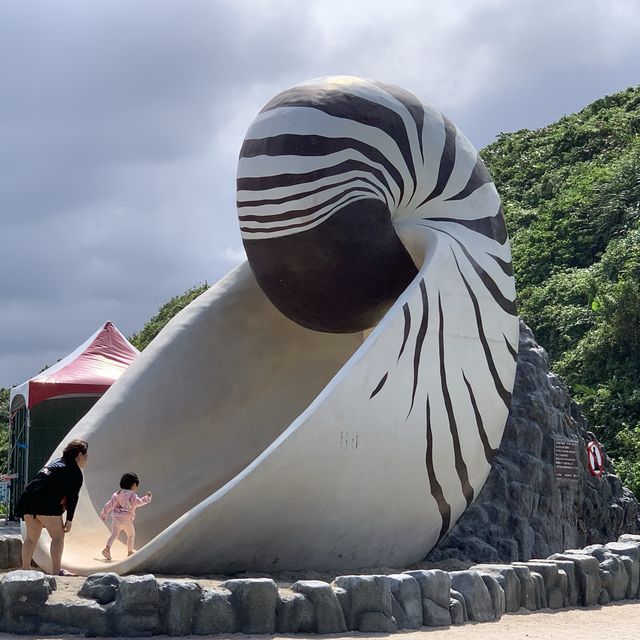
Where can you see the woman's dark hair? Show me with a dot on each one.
(73, 448)
(128, 480)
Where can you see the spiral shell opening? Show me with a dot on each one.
(338, 403)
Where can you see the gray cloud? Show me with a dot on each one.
(120, 125)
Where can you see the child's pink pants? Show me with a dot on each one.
(122, 525)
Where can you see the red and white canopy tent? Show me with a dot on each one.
(78, 380)
(89, 370)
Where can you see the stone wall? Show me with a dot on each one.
(523, 511)
(110, 605)
(10, 550)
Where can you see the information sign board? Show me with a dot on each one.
(565, 459)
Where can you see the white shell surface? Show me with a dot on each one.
(269, 446)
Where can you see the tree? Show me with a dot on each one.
(167, 311)
(571, 194)
(4, 427)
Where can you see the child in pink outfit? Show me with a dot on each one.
(122, 506)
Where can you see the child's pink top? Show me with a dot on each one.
(123, 504)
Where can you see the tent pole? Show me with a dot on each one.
(26, 457)
(16, 433)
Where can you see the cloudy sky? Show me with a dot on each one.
(121, 122)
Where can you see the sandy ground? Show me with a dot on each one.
(619, 621)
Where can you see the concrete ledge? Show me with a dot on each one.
(110, 605)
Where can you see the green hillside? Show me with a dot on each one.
(169, 309)
(571, 195)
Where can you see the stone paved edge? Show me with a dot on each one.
(111, 605)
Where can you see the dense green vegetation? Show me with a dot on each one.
(4, 434)
(4, 428)
(571, 195)
(151, 329)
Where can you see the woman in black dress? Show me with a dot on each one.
(45, 498)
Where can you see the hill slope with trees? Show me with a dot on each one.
(571, 196)
(169, 309)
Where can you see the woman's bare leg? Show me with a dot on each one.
(34, 529)
(54, 526)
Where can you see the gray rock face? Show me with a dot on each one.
(100, 587)
(456, 596)
(571, 598)
(616, 571)
(215, 614)
(179, 603)
(406, 601)
(70, 617)
(294, 613)
(136, 609)
(527, 587)
(435, 587)
(497, 594)
(630, 554)
(434, 615)
(328, 617)
(366, 594)
(614, 565)
(22, 598)
(10, 551)
(508, 579)
(376, 622)
(587, 574)
(470, 584)
(541, 594)
(255, 601)
(523, 511)
(553, 589)
(456, 611)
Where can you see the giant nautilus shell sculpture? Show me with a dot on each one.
(335, 402)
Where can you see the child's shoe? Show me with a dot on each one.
(106, 553)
